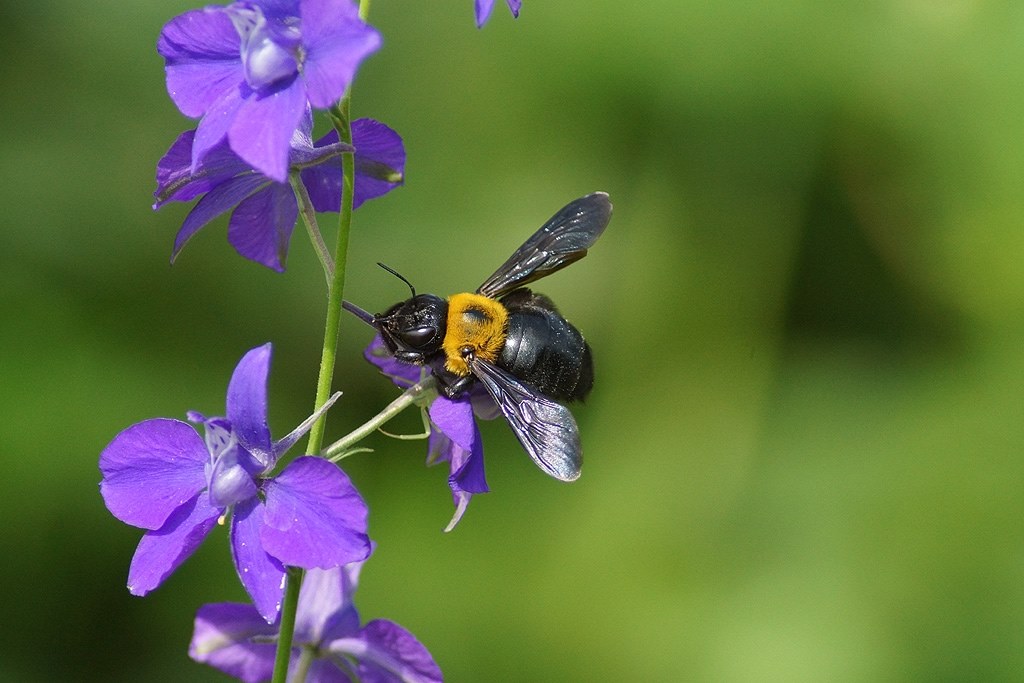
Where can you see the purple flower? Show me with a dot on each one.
(234, 639)
(160, 475)
(265, 211)
(454, 435)
(248, 71)
(484, 7)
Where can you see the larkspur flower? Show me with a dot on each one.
(260, 227)
(454, 435)
(484, 7)
(249, 70)
(234, 639)
(160, 475)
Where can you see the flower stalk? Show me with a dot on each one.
(335, 292)
(410, 396)
(308, 214)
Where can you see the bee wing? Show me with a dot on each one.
(562, 240)
(546, 429)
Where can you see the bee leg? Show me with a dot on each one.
(457, 387)
(450, 384)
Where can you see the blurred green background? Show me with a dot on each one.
(804, 449)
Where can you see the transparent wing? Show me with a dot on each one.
(562, 240)
(546, 429)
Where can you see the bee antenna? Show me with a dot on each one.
(399, 276)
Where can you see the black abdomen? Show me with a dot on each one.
(543, 349)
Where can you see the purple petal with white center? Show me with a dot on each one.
(336, 41)
(214, 126)
(325, 608)
(150, 469)
(160, 552)
(261, 227)
(268, 48)
(314, 516)
(219, 200)
(222, 637)
(262, 575)
(201, 49)
(230, 480)
(261, 131)
(386, 652)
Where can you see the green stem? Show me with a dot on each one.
(302, 666)
(336, 288)
(391, 410)
(284, 637)
(309, 218)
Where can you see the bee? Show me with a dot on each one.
(509, 339)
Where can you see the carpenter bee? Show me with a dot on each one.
(510, 339)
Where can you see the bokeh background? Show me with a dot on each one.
(805, 449)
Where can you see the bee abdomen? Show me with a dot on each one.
(544, 350)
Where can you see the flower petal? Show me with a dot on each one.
(222, 638)
(467, 466)
(483, 11)
(514, 6)
(336, 41)
(262, 575)
(262, 129)
(176, 181)
(325, 608)
(261, 226)
(231, 477)
(402, 374)
(379, 152)
(323, 181)
(314, 516)
(386, 652)
(466, 459)
(150, 469)
(160, 552)
(217, 201)
(215, 124)
(247, 399)
(454, 417)
(324, 671)
(202, 50)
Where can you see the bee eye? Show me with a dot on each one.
(418, 337)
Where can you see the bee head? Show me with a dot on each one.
(414, 328)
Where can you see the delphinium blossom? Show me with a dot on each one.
(249, 70)
(265, 210)
(484, 7)
(454, 435)
(162, 476)
(329, 638)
